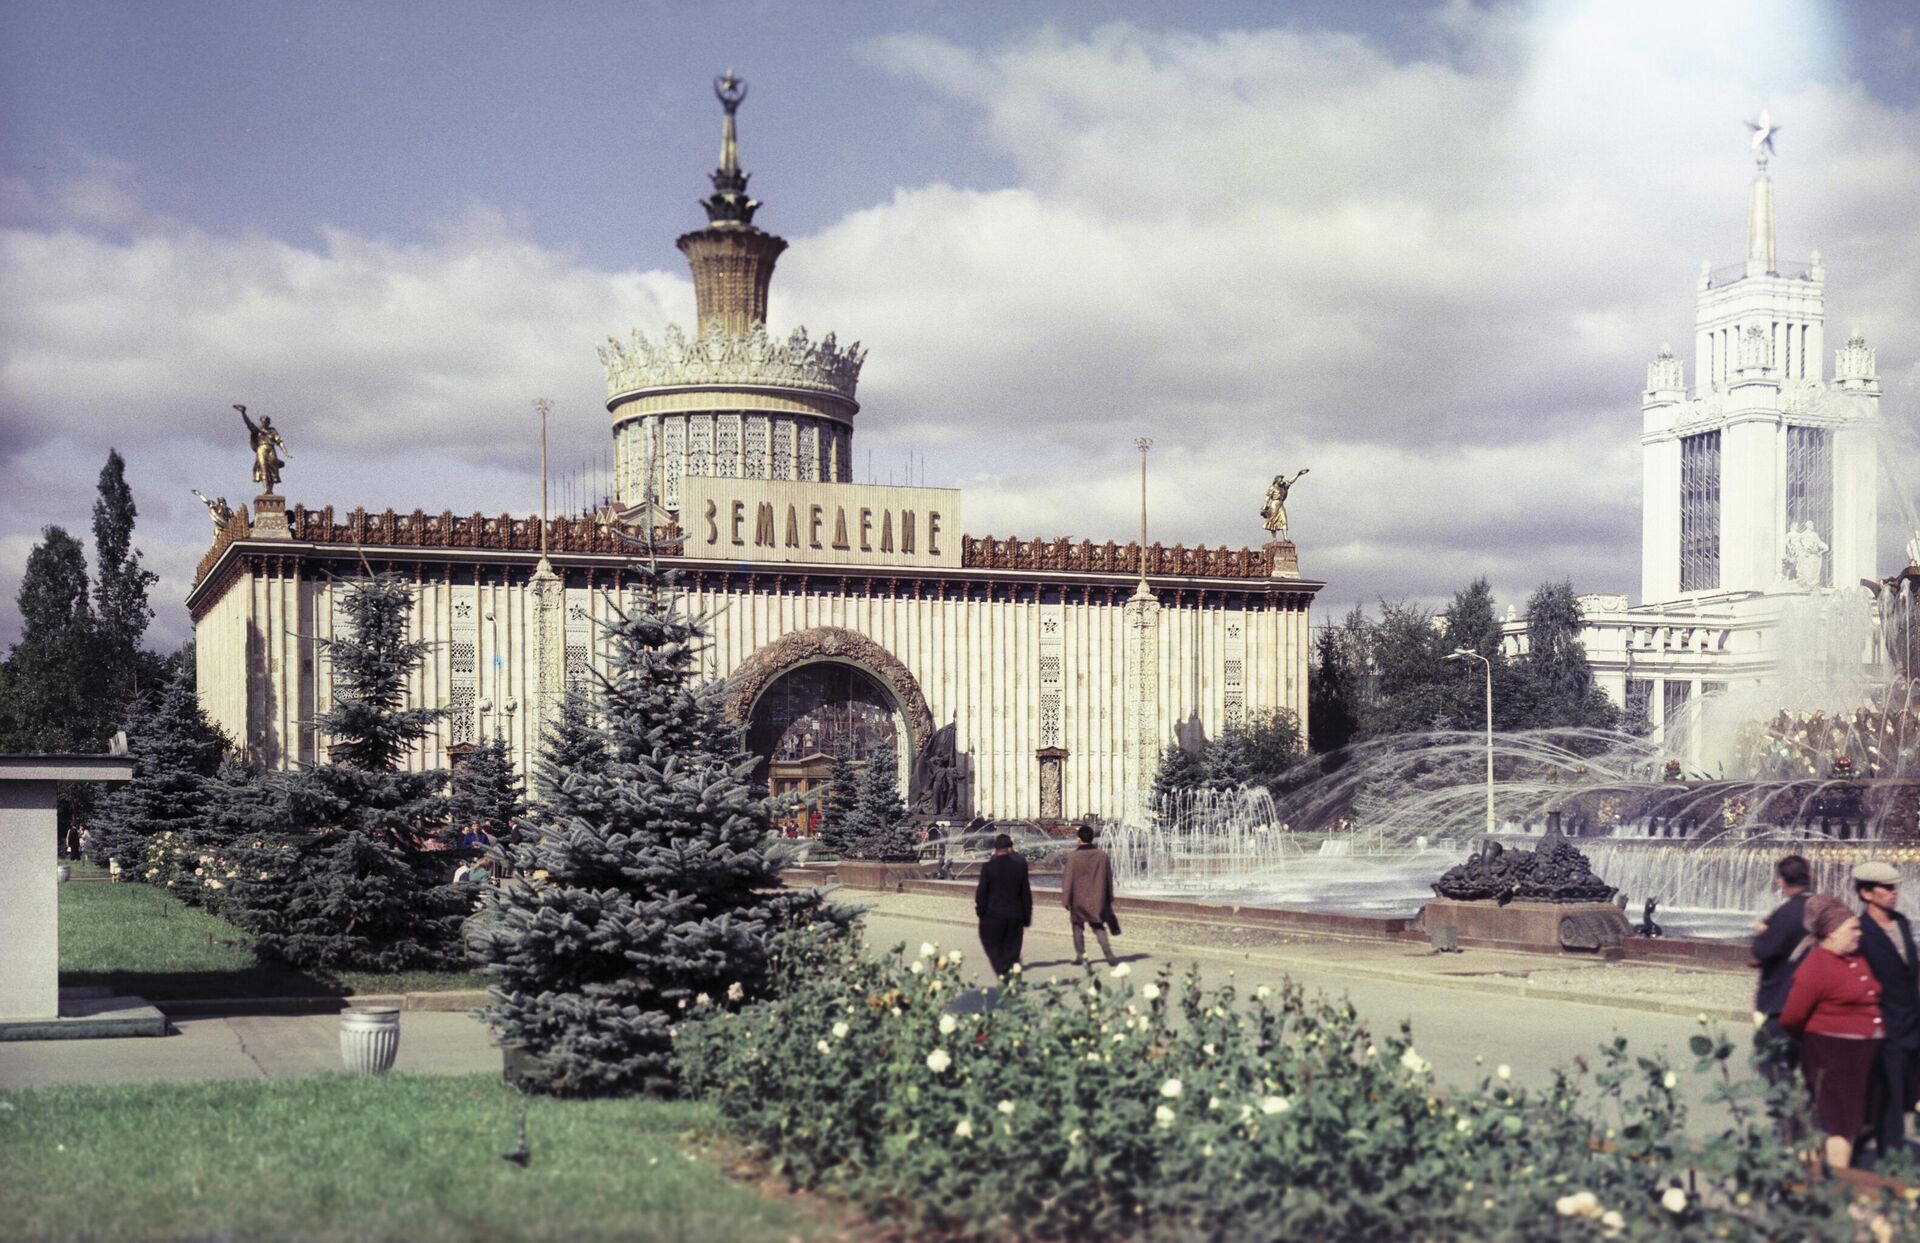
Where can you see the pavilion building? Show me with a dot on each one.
(1033, 679)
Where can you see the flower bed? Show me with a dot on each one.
(1095, 1109)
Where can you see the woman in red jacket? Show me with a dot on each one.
(1834, 1008)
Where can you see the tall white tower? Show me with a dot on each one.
(1763, 446)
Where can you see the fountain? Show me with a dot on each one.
(1822, 760)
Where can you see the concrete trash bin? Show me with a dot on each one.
(369, 1038)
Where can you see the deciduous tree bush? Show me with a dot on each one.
(1091, 1109)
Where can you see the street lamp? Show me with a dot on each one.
(1467, 653)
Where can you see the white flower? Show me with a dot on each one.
(1504, 1071)
(1014, 969)
(1579, 1204)
(948, 1024)
(1122, 971)
(840, 1030)
(1463, 1126)
(964, 1128)
(823, 1046)
(916, 967)
(1073, 1137)
(1263, 992)
(1093, 1057)
(701, 999)
(1674, 1200)
(735, 992)
(1005, 1107)
(927, 950)
(1272, 1105)
(1671, 1082)
(1414, 1063)
(1171, 1089)
(1151, 992)
(1213, 1102)
(938, 1060)
(933, 986)
(1207, 1048)
(954, 957)
(1163, 1115)
(1612, 1222)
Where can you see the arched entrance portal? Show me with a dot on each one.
(807, 714)
(812, 682)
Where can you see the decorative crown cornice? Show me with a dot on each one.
(721, 358)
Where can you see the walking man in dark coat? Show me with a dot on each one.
(1886, 941)
(1086, 890)
(1779, 935)
(1003, 902)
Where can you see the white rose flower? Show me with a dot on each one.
(1674, 1200)
(1122, 971)
(1671, 1082)
(840, 1030)
(954, 957)
(823, 1046)
(1163, 1115)
(1014, 969)
(1151, 992)
(1463, 1126)
(1414, 1063)
(1263, 992)
(1005, 1107)
(964, 1128)
(1504, 1071)
(916, 967)
(735, 992)
(1093, 1057)
(1272, 1105)
(1612, 1222)
(1213, 1102)
(1073, 1137)
(1171, 1089)
(927, 950)
(948, 1024)
(701, 999)
(938, 1061)
(933, 986)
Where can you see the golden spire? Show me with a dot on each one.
(732, 260)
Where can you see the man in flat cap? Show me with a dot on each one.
(1886, 940)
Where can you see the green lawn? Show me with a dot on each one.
(140, 939)
(394, 1157)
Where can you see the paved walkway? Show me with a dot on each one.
(1532, 1012)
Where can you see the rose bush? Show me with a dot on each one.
(1084, 1109)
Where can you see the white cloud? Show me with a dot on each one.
(1433, 279)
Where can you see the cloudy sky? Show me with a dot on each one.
(1426, 253)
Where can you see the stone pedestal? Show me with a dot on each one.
(1577, 926)
(1285, 559)
(270, 517)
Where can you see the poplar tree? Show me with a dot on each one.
(657, 883)
(120, 604)
(51, 698)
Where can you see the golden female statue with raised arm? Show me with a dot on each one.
(267, 447)
(1274, 512)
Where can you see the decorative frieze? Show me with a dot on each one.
(736, 359)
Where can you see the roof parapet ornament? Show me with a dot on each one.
(728, 206)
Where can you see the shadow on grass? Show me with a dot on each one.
(140, 940)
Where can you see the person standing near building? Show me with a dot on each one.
(1833, 1006)
(1886, 941)
(1777, 939)
(1086, 890)
(1003, 902)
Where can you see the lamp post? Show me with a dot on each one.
(1467, 653)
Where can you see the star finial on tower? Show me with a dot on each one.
(1763, 131)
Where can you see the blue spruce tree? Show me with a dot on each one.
(838, 801)
(355, 889)
(176, 752)
(878, 829)
(654, 879)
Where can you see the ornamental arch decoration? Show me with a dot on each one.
(830, 644)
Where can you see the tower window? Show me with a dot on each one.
(1810, 487)
(1700, 512)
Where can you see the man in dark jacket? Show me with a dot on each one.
(1886, 940)
(1003, 902)
(1779, 935)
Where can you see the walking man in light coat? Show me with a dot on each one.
(1086, 890)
